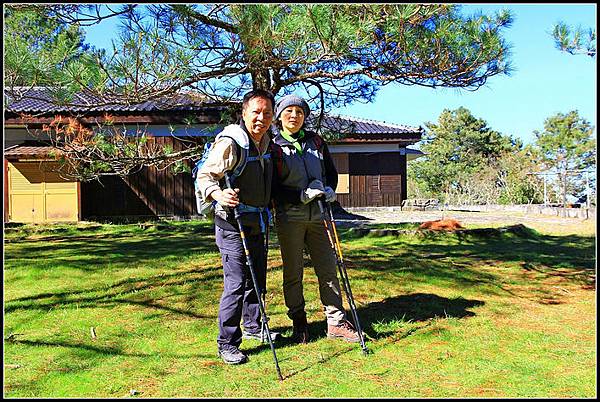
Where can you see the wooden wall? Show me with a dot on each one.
(149, 193)
(376, 179)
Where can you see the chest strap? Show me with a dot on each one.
(248, 209)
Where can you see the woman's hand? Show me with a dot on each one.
(329, 194)
(315, 189)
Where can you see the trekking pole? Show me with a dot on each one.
(263, 314)
(262, 324)
(335, 245)
(264, 291)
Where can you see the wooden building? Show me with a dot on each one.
(371, 159)
(370, 156)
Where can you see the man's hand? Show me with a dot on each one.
(227, 197)
(314, 189)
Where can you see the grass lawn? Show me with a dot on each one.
(97, 310)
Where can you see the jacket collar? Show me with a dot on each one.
(280, 140)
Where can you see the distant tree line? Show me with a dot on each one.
(467, 162)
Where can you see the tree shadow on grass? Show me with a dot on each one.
(127, 245)
(435, 258)
(87, 255)
(459, 257)
(100, 350)
(416, 307)
(126, 291)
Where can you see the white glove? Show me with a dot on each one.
(314, 189)
(329, 194)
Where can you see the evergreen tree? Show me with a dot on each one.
(333, 54)
(568, 148)
(40, 50)
(574, 40)
(461, 157)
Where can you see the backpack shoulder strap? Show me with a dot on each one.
(319, 143)
(242, 160)
(277, 157)
(240, 138)
(318, 140)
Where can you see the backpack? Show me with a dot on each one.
(233, 131)
(204, 208)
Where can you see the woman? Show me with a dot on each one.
(304, 173)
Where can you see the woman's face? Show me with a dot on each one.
(292, 118)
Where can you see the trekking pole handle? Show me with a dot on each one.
(321, 201)
(236, 213)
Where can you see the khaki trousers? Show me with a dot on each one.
(293, 237)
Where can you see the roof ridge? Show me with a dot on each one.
(364, 120)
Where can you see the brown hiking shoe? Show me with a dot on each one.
(300, 331)
(344, 330)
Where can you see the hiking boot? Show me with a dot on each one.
(300, 331)
(232, 355)
(257, 335)
(343, 330)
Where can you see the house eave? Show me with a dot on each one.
(400, 141)
(22, 120)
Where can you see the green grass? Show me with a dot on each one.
(446, 315)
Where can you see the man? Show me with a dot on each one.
(251, 193)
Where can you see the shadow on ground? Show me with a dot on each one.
(458, 256)
(340, 213)
(86, 250)
(455, 258)
(414, 307)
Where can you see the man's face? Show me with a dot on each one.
(257, 116)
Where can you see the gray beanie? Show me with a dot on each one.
(291, 100)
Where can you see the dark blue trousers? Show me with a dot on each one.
(239, 300)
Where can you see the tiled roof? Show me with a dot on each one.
(30, 150)
(42, 100)
(38, 100)
(357, 128)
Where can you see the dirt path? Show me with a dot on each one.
(544, 223)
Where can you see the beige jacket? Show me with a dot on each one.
(222, 158)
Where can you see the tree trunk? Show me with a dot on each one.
(261, 79)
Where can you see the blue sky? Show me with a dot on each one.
(545, 80)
